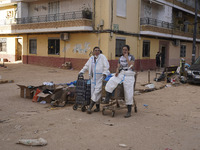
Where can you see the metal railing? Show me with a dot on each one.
(54, 17)
(167, 25)
(155, 22)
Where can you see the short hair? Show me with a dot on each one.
(127, 46)
(95, 48)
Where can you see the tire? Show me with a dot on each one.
(83, 109)
(75, 107)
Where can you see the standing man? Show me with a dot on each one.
(98, 67)
(158, 60)
(124, 74)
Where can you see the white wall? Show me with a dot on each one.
(156, 11)
(11, 46)
(22, 10)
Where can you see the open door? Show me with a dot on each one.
(163, 56)
(19, 49)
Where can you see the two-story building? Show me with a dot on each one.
(51, 32)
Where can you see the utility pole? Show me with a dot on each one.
(194, 34)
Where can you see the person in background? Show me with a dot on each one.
(158, 60)
(124, 74)
(98, 67)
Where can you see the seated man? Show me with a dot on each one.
(125, 75)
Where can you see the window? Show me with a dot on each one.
(33, 46)
(183, 51)
(3, 45)
(53, 7)
(121, 8)
(54, 46)
(146, 49)
(119, 44)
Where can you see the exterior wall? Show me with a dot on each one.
(77, 48)
(22, 10)
(10, 54)
(131, 21)
(100, 8)
(7, 15)
(174, 53)
(144, 63)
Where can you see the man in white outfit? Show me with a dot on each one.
(124, 74)
(98, 67)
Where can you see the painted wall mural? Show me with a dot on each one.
(78, 48)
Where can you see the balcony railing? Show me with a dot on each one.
(55, 17)
(155, 22)
(175, 27)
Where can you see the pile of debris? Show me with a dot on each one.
(56, 94)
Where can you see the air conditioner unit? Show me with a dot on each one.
(180, 14)
(64, 36)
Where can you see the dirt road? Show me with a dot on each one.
(171, 120)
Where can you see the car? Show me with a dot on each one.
(193, 72)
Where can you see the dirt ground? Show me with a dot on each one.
(170, 122)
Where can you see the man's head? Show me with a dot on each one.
(125, 49)
(96, 51)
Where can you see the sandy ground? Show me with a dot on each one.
(171, 120)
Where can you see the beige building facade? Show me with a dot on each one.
(52, 32)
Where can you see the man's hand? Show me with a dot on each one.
(116, 74)
(126, 55)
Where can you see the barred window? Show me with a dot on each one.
(146, 49)
(33, 46)
(183, 51)
(54, 46)
(3, 45)
(119, 44)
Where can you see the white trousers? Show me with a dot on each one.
(96, 87)
(128, 80)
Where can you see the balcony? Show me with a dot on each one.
(54, 17)
(69, 21)
(155, 22)
(166, 29)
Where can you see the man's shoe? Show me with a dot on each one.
(107, 98)
(128, 114)
(89, 110)
(97, 108)
(104, 102)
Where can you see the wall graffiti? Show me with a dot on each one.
(78, 48)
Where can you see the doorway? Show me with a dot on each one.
(19, 49)
(163, 56)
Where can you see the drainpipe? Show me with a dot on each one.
(194, 34)
(94, 9)
(27, 48)
(139, 38)
(111, 23)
